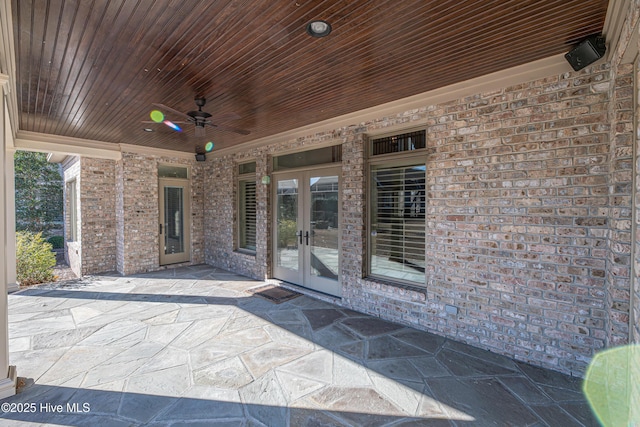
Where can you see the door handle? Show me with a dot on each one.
(300, 235)
(160, 228)
(306, 236)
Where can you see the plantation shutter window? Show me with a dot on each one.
(397, 248)
(247, 207)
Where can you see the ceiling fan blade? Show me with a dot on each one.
(224, 117)
(164, 107)
(181, 122)
(231, 129)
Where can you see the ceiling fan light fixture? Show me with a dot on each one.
(318, 28)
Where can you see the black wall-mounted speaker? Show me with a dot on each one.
(589, 51)
(201, 157)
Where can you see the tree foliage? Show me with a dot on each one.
(39, 187)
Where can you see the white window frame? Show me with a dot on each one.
(392, 160)
(72, 200)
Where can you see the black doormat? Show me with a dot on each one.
(275, 294)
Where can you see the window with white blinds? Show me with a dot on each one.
(397, 227)
(247, 208)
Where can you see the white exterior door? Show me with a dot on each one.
(307, 229)
(175, 227)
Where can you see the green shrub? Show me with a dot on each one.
(35, 260)
(57, 242)
(287, 233)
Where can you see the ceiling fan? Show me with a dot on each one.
(200, 118)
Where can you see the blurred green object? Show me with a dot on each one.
(612, 386)
(157, 116)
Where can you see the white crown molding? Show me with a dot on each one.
(56, 144)
(542, 68)
(61, 146)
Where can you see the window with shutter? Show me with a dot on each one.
(397, 213)
(247, 207)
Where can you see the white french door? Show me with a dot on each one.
(175, 217)
(307, 229)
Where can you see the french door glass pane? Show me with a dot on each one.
(174, 220)
(398, 222)
(287, 220)
(324, 227)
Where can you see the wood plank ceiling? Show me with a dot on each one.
(94, 68)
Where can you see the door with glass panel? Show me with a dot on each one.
(174, 227)
(307, 229)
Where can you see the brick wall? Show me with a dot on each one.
(517, 221)
(198, 173)
(528, 226)
(632, 26)
(120, 218)
(620, 216)
(221, 189)
(137, 213)
(634, 335)
(354, 210)
(98, 215)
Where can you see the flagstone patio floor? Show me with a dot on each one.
(191, 346)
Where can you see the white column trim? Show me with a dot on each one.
(8, 384)
(7, 200)
(10, 216)
(61, 146)
(617, 13)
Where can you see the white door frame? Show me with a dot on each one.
(303, 274)
(182, 225)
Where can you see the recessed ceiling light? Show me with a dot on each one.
(147, 130)
(318, 28)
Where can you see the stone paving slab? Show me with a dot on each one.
(191, 346)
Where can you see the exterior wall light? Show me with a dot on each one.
(318, 28)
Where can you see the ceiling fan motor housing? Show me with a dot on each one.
(200, 117)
